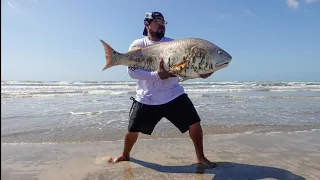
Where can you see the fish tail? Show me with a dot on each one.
(110, 55)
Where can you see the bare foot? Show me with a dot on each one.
(118, 159)
(206, 163)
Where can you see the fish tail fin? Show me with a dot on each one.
(110, 55)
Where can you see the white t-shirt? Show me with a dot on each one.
(150, 88)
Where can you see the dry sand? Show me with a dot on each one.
(254, 156)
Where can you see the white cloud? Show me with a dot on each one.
(293, 4)
(311, 1)
(12, 4)
(21, 6)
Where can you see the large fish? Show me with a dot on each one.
(188, 58)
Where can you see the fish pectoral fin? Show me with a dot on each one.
(180, 66)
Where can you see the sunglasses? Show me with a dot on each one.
(160, 21)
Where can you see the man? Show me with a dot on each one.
(159, 95)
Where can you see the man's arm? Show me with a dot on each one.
(142, 74)
(139, 73)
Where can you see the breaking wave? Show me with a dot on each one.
(29, 89)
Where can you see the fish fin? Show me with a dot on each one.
(109, 52)
(180, 66)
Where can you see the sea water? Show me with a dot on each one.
(75, 112)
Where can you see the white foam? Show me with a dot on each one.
(98, 112)
(12, 89)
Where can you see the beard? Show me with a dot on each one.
(158, 34)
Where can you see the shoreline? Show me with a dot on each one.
(265, 155)
(171, 133)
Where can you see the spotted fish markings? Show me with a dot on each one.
(189, 58)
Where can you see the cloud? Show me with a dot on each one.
(15, 5)
(21, 6)
(12, 4)
(311, 1)
(294, 4)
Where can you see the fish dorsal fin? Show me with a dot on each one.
(139, 48)
(135, 50)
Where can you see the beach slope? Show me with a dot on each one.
(282, 156)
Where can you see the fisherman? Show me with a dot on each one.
(159, 95)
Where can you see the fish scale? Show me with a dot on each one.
(188, 58)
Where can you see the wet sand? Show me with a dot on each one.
(252, 156)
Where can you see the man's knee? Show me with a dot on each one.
(132, 135)
(195, 126)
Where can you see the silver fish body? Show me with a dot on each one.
(188, 58)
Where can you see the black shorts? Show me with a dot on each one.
(180, 112)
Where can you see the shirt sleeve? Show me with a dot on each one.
(139, 73)
(142, 74)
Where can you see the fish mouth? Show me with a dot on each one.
(222, 65)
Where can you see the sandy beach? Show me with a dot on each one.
(282, 156)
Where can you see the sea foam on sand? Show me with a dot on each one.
(246, 156)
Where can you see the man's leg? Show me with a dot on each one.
(143, 119)
(196, 134)
(183, 115)
(129, 140)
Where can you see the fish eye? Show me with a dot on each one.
(220, 53)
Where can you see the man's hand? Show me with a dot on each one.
(204, 76)
(163, 74)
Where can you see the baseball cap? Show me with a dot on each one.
(150, 16)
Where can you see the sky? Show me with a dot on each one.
(58, 40)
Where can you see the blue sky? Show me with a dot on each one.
(274, 40)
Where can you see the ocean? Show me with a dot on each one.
(84, 111)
